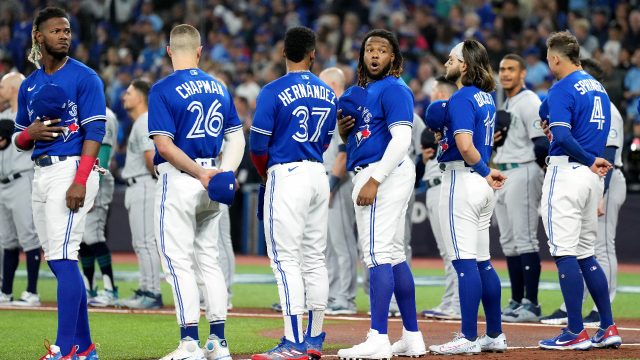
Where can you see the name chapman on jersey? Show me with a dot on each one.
(297, 91)
(189, 88)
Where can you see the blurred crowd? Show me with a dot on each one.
(125, 39)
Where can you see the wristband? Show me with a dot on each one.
(84, 169)
(24, 141)
(481, 168)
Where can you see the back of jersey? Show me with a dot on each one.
(581, 103)
(298, 112)
(193, 109)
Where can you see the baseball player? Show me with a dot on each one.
(191, 114)
(61, 114)
(294, 120)
(524, 146)
(467, 197)
(449, 307)
(141, 180)
(16, 215)
(94, 246)
(579, 118)
(377, 132)
(608, 208)
(342, 250)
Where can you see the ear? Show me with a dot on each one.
(199, 51)
(463, 67)
(39, 37)
(312, 55)
(169, 51)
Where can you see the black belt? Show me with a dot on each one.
(443, 166)
(46, 160)
(10, 178)
(359, 168)
(131, 181)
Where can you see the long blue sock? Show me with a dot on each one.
(217, 328)
(70, 291)
(531, 269)
(470, 290)
(491, 297)
(380, 290)
(405, 291)
(572, 289)
(599, 288)
(516, 277)
(190, 330)
(83, 333)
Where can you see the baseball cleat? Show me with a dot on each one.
(447, 315)
(411, 344)
(188, 349)
(143, 300)
(131, 301)
(567, 341)
(558, 317)
(607, 338)
(511, 307)
(527, 312)
(458, 346)
(376, 347)
(314, 346)
(430, 312)
(340, 310)
(89, 354)
(53, 353)
(216, 349)
(593, 319)
(5, 299)
(27, 299)
(286, 350)
(276, 307)
(489, 344)
(105, 298)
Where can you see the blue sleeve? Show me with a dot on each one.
(397, 104)
(562, 135)
(264, 117)
(259, 143)
(91, 102)
(561, 103)
(94, 130)
(232, 121)
(462, 115)
(22, 117)
(543, 112)
(609, 154)
(541, 149)
(160, 121)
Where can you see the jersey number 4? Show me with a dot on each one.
(597, 115)
(319, 115)
(210, 124)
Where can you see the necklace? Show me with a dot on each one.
(61, 65)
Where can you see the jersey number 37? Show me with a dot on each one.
(318, 117)
(211, 123)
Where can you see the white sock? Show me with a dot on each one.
(316, 318)
(293, 328)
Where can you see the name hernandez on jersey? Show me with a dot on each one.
(297, 91)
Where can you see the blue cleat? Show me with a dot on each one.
(567, 341)
(286, 350)
(607, 338)
(314, 346)
(89, 354)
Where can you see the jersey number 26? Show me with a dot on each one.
(211, 123)
(319, 115)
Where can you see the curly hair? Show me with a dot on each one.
(35, 55)
(298, 42)
(396, 67)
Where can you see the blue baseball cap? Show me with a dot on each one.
(222, 187)
(435, 115)
(543, 112)
(352, 101)
(50, 101)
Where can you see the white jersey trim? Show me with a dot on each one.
(159, 132)
(233, 128)
(260, 131)
(463, 131)
(93, 118)
(565, 124)
(20, 126)
(409, 123)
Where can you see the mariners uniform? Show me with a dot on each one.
(16, 217)
(518, 201)
(195, 111)
(298, 114)
(138, 200)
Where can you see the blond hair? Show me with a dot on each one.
(184, 38)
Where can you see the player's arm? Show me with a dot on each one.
(104, 155)
(233, 140)
(261, 130)
(27, 133)
(176, 157)
(148, 162)
(533, 123)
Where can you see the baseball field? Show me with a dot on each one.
(253, 327)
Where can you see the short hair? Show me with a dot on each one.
(593, 68)
(479, 71)
(517, 58)
(142, 86)
(43, 15)
(565, 44)
(396, 67)
(446, 84)
(299, 41)
(184, 37)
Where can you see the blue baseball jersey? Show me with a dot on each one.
(195, 110)
(389, 103)
(581, 103)
(472, 111)
(85, 103)
(298, 112)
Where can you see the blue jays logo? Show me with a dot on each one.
(363, 133)
(72, 126)
(444, 142)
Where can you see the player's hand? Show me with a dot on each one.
(206, 175)
(44, 131)
(3, 143)
(75, 196)
(345, 124)
(497, 136)
(368, 193)
(601, 210)
(427, 154)
(438, 136)
(496, 179)
(546, 129)
(601, 167)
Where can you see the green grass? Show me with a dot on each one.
(133, 336)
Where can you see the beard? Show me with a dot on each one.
(453, 76)
(380, 75)
(58, 55)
